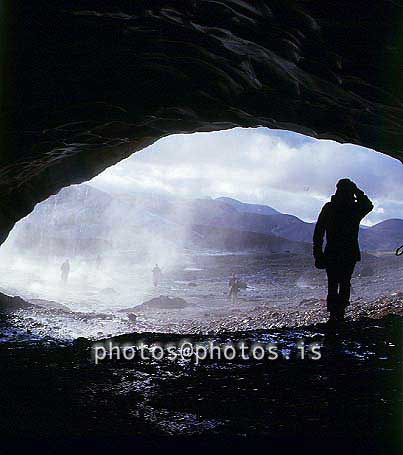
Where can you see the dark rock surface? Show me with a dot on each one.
(88, 83)
(50, 304)
(351, 396)
(9, 304)
(163, 302)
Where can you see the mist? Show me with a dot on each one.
(112, 244)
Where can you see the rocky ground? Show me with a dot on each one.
(352, 395)
(311, 311)
(283, 290)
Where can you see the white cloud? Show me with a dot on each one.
(290, 172)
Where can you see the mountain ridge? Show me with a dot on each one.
(105, 220)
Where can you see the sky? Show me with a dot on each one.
(290, 172)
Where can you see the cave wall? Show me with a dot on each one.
(87, 83)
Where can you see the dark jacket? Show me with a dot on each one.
(340, 220)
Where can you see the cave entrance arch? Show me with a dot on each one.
(112, 79)
(239, 179)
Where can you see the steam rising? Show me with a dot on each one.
(112, 244)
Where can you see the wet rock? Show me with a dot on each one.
(366, 271)
(10, 304)
(50, 304)
(163, 302)
(309, 302)
(82, 343)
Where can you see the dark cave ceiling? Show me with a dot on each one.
(87, 83)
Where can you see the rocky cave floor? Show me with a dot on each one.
(51, 388)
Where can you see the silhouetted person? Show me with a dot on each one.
(234, 286)
(157, 274)
(65, 270)
(98, 262)
(340, 220)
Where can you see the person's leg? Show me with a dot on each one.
(345, 285)
(332, 291)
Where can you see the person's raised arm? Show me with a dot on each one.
(364, 204)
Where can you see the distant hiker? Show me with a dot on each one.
(65, 271)
(157, 274)
(98, 262)
(234, 286)
(340, 220)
